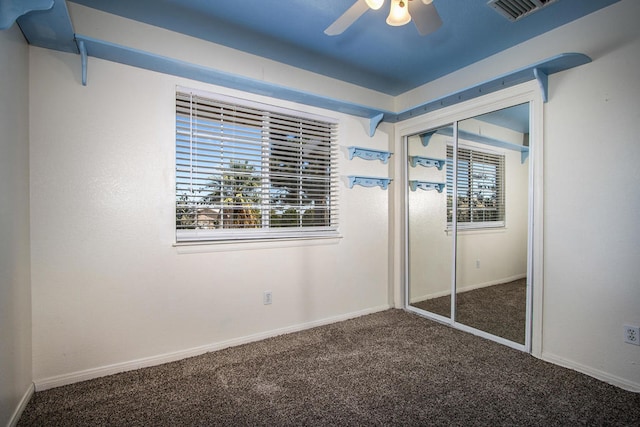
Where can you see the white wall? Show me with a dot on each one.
(592, 200)
(15, 292)
(110, 291)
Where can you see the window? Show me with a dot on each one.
(246, 170)
(480, 184)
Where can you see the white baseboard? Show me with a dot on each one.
(468, 288)
(74, 377)
(26, 397)
(592, 372)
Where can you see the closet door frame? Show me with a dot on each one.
(524, 93)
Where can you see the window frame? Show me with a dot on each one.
(327, 190)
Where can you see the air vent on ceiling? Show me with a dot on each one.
(516, 9)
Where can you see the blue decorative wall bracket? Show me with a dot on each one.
(369, 181)
(543, 82)
(368, 154)
(374, 122)
(10, 10)
(83, 60)
(426, 185)
(470, 136)
(427, 162)
(426, 137)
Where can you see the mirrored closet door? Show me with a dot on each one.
(468, 224)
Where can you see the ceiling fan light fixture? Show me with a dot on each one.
(375, 4)
(399, 13)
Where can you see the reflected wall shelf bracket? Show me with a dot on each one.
(427, 162)
(368, 154)
(426, 137)
(543, 82)
(482, 139)
(369, 181)
(83, 60)
(426, 185)
(374, 122)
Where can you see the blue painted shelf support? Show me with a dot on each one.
(426, 185)
(426, 137)
(374, 122)
(462, 134)
(11, 10)
(543, 82)
(427, 162)
(83, 60)
(369, 154)
(369, 181)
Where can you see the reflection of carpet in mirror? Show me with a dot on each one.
(498, 309)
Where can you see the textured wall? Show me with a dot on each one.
(15, 292)
(592, 245)
(109, 288)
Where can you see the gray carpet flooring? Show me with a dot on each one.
(498, 309)
(388, 368)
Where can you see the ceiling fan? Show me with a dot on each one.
(422, 12)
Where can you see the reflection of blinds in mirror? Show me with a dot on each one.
(480, 184)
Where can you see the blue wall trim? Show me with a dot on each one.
(51, 29)
(11, 10)
(549, 66)
(150, 61)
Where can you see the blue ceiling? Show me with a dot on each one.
(370, 53)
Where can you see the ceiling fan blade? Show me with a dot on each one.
(346, 19)
(425, 16)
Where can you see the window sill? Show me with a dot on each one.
(477, 230)
(224, 245)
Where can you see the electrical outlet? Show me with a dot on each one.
(267, 298)
(477, 263)
(632, 334)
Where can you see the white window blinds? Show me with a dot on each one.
(480, 187)
(250, 171)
